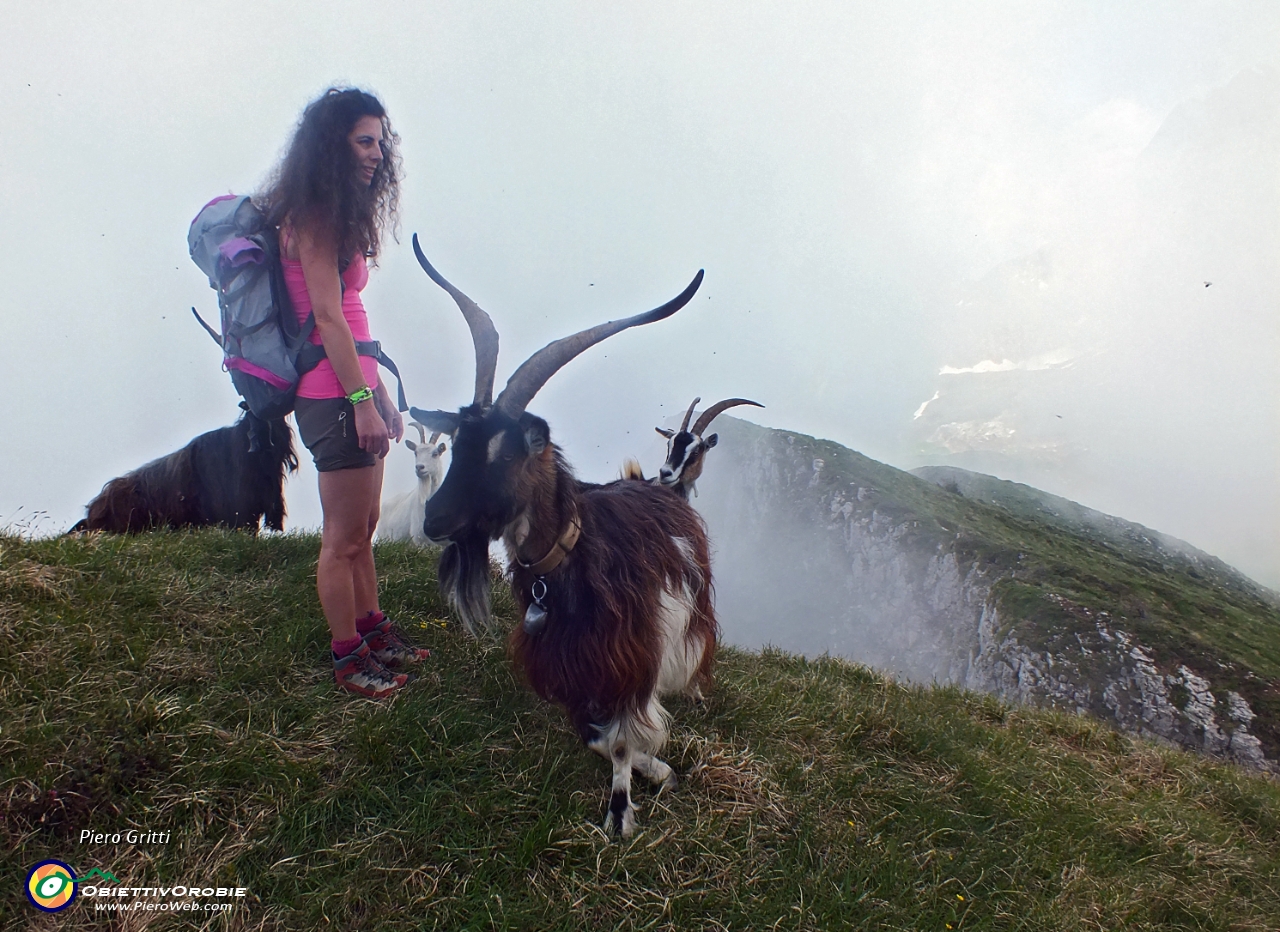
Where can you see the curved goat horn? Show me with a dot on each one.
(543, 364)
(709, 415)
(483, 334)
(422, 431)
(684, 425)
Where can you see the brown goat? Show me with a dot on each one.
(614, 580)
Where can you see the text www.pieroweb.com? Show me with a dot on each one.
(162, 899)
(172, 906)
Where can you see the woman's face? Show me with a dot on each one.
(366, 143)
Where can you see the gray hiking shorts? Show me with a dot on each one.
(327, 427)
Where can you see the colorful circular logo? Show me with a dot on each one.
(51, 886)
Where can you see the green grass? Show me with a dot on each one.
(180, 682)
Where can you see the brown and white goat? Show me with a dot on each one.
(687, 448)
(614, 580)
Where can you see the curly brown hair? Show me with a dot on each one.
(316, 184)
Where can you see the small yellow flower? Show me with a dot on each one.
(851, 825)
(959, 897)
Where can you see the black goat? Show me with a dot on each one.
(232, 476)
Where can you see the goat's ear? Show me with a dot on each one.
(411, 445)
(666, 432)
(440, 450)
(536, 433)
(446, 422)
(711, 441)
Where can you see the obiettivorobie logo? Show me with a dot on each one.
(51, 885)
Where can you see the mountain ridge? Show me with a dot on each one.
(886, 568)
(1098, 525)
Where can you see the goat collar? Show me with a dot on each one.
(559, 550)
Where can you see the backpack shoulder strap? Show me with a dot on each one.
(389, 364)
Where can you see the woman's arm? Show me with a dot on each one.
(319, 257)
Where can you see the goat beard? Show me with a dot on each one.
(464, 575)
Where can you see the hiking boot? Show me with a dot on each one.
(387, 643)
(361, 673)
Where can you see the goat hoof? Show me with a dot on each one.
(624, 827)
(621, 819)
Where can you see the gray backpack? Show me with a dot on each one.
(264, 347)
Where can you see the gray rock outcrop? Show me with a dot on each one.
(818, 549)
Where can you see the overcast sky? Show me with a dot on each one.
(1056, 223)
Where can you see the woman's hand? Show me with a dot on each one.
(387, 408)
(372, 429)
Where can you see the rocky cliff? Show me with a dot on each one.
(958, 578)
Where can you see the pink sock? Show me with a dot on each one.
(347, 646)
(368, 622)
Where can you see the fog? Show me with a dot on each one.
(1036, 240)
(799, 571)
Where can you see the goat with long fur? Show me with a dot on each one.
(233, 476)
(614, 580)
(402, 515)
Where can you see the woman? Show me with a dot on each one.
(332, 197)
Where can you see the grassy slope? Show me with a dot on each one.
(1204, 621)
(180, 682)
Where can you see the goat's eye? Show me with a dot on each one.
(508, 457)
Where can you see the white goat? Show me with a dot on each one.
(402, 516)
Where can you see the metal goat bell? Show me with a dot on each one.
(535, 616)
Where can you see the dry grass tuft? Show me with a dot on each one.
(735, 782)
(40, 578)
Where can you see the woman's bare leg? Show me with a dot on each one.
(365, 573)
(345, 574)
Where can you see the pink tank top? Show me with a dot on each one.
(322, 381)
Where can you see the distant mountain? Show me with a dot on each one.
(956, 577)
(1174, 555)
